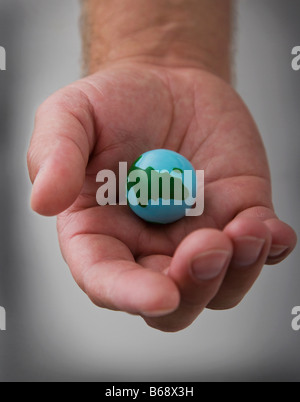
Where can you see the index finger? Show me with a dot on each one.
(106, 270)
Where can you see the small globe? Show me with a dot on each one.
(161, 186)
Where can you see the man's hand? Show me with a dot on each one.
(166, 273)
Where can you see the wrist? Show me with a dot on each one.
(176, 33)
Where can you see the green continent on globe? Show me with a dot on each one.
(159, 179)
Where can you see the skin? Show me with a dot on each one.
(127, 106)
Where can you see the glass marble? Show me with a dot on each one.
(161, 186)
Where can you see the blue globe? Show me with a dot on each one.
(161, 185)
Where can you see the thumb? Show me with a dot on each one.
(59, 150)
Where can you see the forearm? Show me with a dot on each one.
(187, 33)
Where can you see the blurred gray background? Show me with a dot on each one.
(54, 333)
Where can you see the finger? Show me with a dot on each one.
(156, 262)
(251, 240)
(284, 238)
(198, 268)
(59, 150)
(107, 272)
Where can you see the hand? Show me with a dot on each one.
(168, 273)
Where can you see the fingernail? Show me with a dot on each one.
(247, 250)
(157, 313)
(276, 250)
(209, 264)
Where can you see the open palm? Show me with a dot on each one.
(166, 273)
